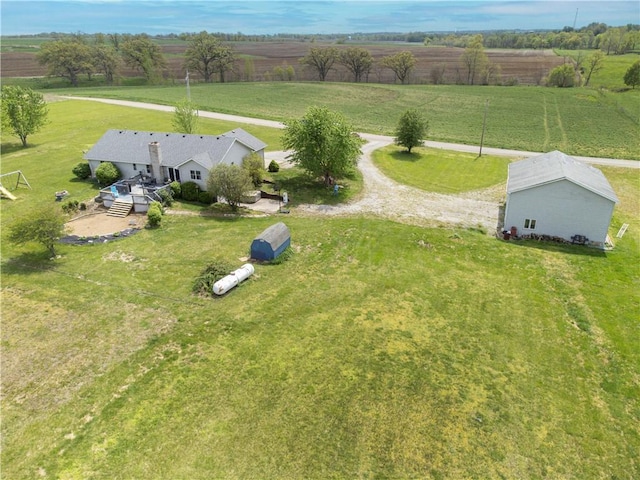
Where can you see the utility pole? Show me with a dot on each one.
(484, 123)
(188, 89)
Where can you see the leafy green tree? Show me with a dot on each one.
(474, 59)
(358, 61)
(105, 60)
(323, 143)
(224, 62)
(230, 182)
(562, 76)
(141, 53)
(322, 59)
(254, 165)
(24, 111)
(185, 117)
(44, 226)
(107, 173)
(632, 76)
(411, 130)
(401, 64)
(66, 58)
(207, 55)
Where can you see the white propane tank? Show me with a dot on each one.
(225, 284)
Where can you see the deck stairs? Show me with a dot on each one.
(120, 209)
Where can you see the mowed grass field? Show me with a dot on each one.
(378, 350)
(577, 121)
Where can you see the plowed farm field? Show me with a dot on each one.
(258, 61)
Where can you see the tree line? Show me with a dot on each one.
(209, 57)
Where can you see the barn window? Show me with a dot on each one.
(195, 175)
(530, 223)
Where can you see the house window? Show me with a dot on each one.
(148, 168)
(195, 175)
(530, 223)
(135, 167)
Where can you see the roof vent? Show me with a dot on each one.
(184, 136)
(166, 134)
(200, 136)
(135, 133)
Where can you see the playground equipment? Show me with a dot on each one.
(225, 284)
(6, 193)
(20, 180)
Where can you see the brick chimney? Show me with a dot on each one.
(155, 155)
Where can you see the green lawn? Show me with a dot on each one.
(577, 121)
(378, 350)
(441, 171)
(611, 76)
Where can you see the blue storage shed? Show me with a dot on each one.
(271, 243)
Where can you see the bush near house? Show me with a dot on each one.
(107, 173)
(274, 167)
(154, 215)
(176, 190)
(190, 191)
(82, 170)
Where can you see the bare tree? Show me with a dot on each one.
(593, 64)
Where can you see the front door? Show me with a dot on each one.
(174, 175)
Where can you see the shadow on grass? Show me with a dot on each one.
(405, 156)
(11, 147)
(302, 188)
(560, 248)
(28, 263)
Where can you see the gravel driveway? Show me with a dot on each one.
(386, 198)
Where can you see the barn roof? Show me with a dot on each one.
(128, 146)
(555, 166)
(275, 235)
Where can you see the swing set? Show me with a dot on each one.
(20, 180)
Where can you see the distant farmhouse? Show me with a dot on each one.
(150, 160)
(558, 196)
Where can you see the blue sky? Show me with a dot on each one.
(305, 16)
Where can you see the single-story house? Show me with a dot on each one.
(556, 195)
(158, 157)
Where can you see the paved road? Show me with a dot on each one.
(613, 162)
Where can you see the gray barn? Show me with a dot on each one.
(271, 243)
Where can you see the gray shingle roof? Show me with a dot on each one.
(128, 146)
(555, 166)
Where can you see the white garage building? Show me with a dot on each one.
(556, 195)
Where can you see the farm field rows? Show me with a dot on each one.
(576, 121)
(377, 350)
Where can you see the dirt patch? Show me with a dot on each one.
(103, 224)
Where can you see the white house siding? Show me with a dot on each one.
(185, 174)
(560, 209)
(237, 152)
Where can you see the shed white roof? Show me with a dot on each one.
(555, 166)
